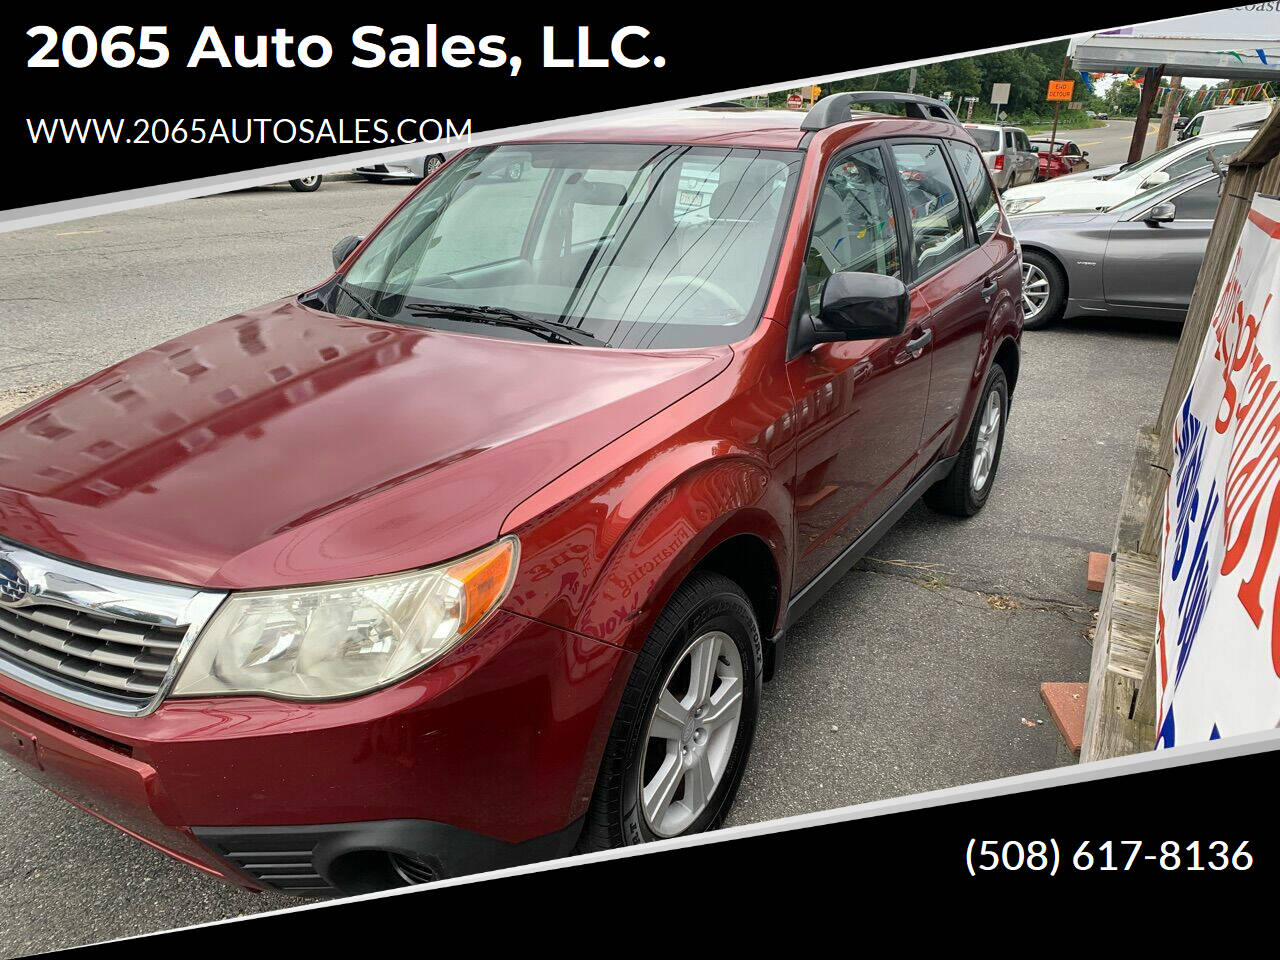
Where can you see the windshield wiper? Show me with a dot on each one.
(343, 287)
(502, 317)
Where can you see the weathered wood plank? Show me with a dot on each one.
(1122, 646)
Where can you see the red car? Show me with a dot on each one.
(479, 551)
(1059, 158)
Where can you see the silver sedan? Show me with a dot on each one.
(1139, 258)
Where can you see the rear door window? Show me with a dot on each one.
(977, 188)
(937, 229)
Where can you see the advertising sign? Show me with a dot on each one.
(1218, 635)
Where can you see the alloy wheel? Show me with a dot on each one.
(987, 442)
(1035, 291)
(691, 733)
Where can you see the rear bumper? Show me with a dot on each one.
(485, 759)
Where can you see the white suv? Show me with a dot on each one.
(1091, 191)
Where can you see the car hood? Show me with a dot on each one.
(286, 446)
(1064, 194)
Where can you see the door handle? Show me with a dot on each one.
(989, 288)
(919, 343)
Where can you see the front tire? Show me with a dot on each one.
(431, 164)
(964, 491)
(1044, 290)
(682, 734)
(307, 184)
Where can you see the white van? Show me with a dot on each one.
(1226, 118)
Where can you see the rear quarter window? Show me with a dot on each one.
(987, 140)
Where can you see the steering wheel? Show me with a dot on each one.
(700, 286)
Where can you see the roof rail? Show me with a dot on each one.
(835, 107)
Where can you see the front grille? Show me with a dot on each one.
(99, 639)
(107, 654)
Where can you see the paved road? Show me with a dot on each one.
(1110, 144)
(919, 671)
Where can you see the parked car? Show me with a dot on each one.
(1140, 258)
(1007, 153)
(1059, 158)
(1225, 118)
(1180, 122)
(1102, 115)
(479, 551)
(418, 168)
(1090, 192)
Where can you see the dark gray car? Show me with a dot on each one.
(1139, 258)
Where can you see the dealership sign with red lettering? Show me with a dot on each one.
(1218, 633)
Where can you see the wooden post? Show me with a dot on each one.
(1169, 113)
(1150, 87)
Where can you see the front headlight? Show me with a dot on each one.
(1020, 204)
(342, 639)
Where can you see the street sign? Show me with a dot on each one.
(1061, 91)
(999, 93)
(795, 102)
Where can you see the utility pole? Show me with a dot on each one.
(1150, 87)
(911, 81)
(1169, 113)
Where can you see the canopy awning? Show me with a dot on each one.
(1231, 59)
(1242, 43)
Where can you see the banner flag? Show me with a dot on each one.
(1218, 633)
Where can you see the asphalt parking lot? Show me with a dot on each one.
(919, 671)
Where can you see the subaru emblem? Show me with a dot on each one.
(13, 585)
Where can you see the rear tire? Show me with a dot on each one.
(693, 748)
(307, 184)
(1044, 290)
(964, 491)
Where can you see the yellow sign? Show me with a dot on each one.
(1061, 91)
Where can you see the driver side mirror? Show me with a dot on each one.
(342, 249)
(861, 306)
(1161, 213)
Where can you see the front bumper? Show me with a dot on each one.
(486, 758)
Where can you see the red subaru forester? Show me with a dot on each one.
(478, 552)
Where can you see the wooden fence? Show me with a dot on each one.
(1120, 712)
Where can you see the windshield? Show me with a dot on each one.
(987, 140)
(637, 245)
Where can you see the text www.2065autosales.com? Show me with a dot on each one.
(352, 131)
